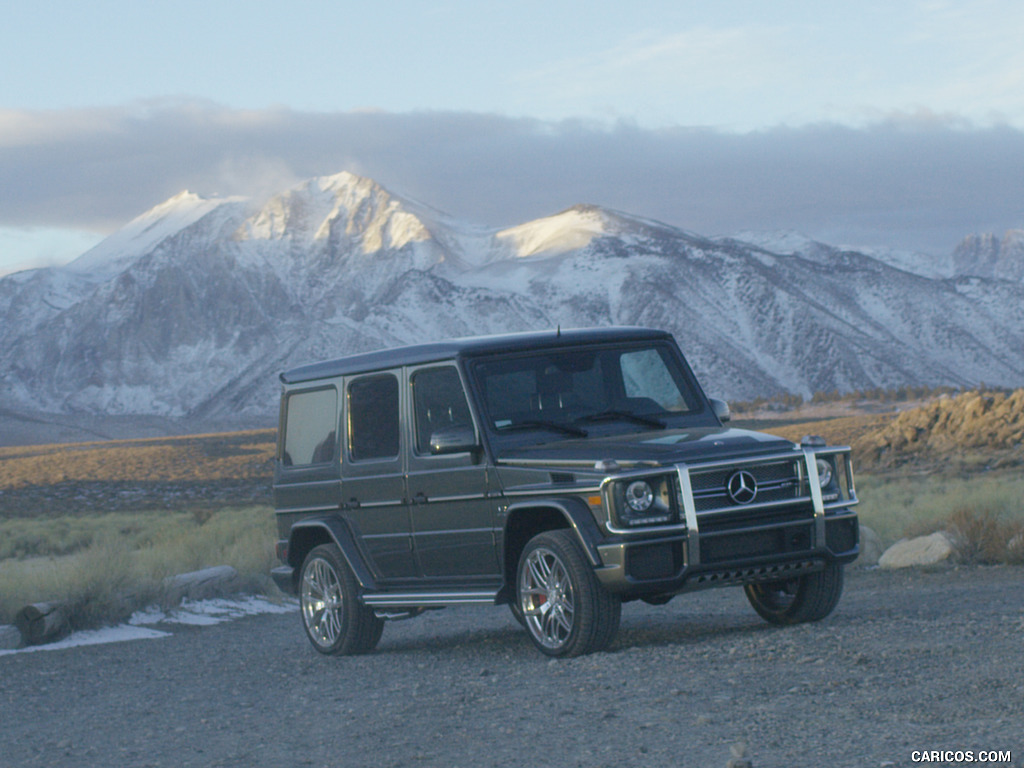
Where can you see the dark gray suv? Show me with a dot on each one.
(560, 473)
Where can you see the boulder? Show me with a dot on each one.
(923, 550)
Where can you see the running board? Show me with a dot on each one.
(427, 599)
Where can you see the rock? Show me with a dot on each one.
(42, 623)
(200, 585)
(870, 548)
(924, 550)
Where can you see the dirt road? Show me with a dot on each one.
(909, 662)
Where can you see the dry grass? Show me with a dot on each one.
(112, 574)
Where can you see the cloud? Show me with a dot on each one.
(916, 181)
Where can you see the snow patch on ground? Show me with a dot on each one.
(213, 611)
(191, 612)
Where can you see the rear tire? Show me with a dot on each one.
(564, 607)
(334, 619)
(811, 597)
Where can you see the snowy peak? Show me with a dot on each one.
(570, 230)
(143, 233)
(343, 207)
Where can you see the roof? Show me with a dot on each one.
(468, 347)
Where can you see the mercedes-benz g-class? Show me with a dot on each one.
(562, 473)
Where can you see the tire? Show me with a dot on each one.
(795, 601)
(334, 619)
(564, 607)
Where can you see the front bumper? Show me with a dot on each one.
(667, 565)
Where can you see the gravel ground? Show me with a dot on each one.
(922, 660)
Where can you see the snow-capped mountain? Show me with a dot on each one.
(193, 308)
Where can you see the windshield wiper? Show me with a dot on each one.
(637, 418)
(552, 425)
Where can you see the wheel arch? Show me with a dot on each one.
(525, 519)
(311, 532)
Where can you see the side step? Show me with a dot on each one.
(429, 599)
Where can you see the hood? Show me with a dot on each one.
(658, 448)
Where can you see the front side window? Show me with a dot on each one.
(439, 403)
(373, 417)
(309, 434)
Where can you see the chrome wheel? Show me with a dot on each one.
(332, 615)
(565, 609)
(546, 598)
(322, 602)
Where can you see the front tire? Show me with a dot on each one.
(564, 607)
(334, 619)
(811, 597)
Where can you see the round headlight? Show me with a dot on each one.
(824, 472)
(639, 496)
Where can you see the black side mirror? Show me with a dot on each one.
(457, 439)
(721, 410)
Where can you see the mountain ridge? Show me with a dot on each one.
(191, 310)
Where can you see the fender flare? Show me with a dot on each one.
(573, 511)
(313, 528)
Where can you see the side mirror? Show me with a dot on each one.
(458, 439)
(721, 410)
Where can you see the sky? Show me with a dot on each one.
(870, 124)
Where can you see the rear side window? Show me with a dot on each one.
(373, 417)
(310, 434)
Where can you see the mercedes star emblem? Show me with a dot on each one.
(742, 487)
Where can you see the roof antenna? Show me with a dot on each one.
(558, 331)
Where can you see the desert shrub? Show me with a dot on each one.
(982, 536)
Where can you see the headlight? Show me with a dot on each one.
(825, 473)
(646, 501)
(639, 496)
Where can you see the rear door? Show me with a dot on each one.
(373, 474)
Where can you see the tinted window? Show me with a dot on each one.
(373, 417)
(439, 402)
(309, 435)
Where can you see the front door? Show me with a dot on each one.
(453, 520)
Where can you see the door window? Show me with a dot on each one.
(373, 417)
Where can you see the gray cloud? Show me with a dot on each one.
(915, 182)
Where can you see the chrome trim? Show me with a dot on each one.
(819, 506)
(797, 500)
(575, 463)
(293, 510)
(429, 598)
(444, 499)
(491, 531)
(306, 484)
(548, 490)
(690, 514)
(377, 504)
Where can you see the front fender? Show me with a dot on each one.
(570, 513)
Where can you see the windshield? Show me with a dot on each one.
(575, 392)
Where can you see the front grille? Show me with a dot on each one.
(777, 481)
